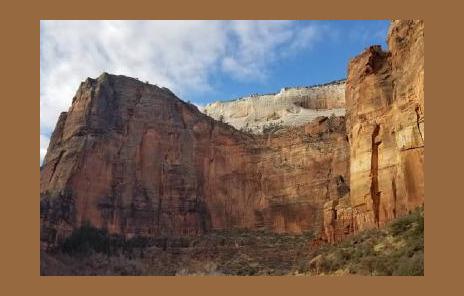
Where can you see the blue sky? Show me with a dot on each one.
(323, 61)
(200, 61)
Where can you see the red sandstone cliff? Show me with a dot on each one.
(385, 125)
(134, 159)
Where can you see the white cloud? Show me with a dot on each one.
(177, 55)
(44, 141)
(305, 38)
(259, 43)
(180, 55)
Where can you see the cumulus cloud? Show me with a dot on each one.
(180, 55)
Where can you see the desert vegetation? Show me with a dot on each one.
(90, 251)
(397, 249)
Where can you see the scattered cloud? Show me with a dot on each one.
(189, 57)
(259, 43)
(180, 55)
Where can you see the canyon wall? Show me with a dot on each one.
(289, 107)
(385, 126)
(132, 158)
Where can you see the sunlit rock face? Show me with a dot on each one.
(134, 159)
(385, 126)
(289, 107)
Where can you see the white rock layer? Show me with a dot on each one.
(289, 107)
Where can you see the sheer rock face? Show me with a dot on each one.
(385, 125)
(289, 107)
(134, 159)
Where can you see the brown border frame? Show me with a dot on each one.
(20, 124)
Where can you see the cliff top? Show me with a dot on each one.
(309, 87)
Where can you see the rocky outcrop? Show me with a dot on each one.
(289, 107)
(385, 125)
(134, 159)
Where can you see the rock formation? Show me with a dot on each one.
(134, 159)
(289, 107)
(385, 125)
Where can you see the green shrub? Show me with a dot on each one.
(411, 265)
(415, 219)
(401, 250)
(88, 239)
(85, 240)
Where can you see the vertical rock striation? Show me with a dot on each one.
(385, 125)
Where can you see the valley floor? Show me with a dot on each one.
(397, 249)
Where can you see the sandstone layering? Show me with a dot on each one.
(289, 107)
(134, 159)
